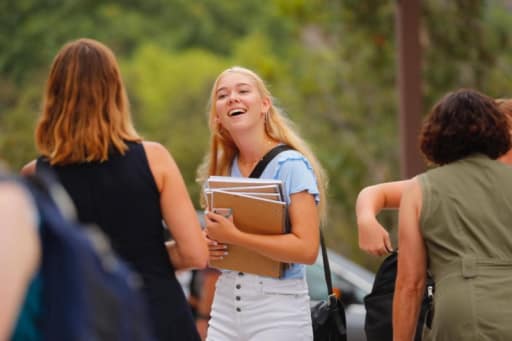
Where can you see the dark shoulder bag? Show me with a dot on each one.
(328, 317)
(379, 303)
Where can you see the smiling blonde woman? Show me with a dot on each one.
(245, 124)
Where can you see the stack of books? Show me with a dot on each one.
(258, 207)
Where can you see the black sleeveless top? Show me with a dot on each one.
(121, 197)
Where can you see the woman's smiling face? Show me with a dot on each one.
(238, 102)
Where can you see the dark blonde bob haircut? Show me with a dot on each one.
(85, 112)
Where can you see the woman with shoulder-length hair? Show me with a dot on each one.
(123, 184)
(373, 237)
(245, 125)
(455, 220)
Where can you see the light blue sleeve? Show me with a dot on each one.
(297, 175)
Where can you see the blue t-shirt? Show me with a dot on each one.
(296, 173)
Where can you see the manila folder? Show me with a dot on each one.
(252, 215)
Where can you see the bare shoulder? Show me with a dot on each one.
(412, 194)
(413, 185)
(156, 153)
(160, 162)
(29, 168)
(154, 148)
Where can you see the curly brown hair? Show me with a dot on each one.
(462, 123)
(505, 106)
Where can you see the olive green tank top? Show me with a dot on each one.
(466, 222)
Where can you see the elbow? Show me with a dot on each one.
(200, 264)
(310, 261)
(310, 258)
(307, 253)
(411, 285)
(203, 262)
(200, 258)
(189, 257)
(365, 195)
(195, 261)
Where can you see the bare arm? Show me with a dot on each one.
(19, 252)
(188, 248)
(299, 246)
(205, 302)
(373, 237)
(412, 266)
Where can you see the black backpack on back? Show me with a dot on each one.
(379, 303)
(88, 292)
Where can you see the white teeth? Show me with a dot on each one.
(235, 112)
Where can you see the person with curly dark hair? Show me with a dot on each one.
(457, 127)
(454, 219)
(371, 200)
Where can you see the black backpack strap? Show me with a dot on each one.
(327, 268)
(260, 167)
(45, 181)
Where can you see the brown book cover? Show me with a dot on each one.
(253, 215)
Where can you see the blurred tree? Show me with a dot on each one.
(170, 92)
(330, 65)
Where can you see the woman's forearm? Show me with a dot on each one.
(184, 260)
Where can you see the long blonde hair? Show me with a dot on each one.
(85, 108)
(277, 127)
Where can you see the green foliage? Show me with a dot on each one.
(17, 127)
(330, 64)
(170, 92)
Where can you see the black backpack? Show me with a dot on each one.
(379, 303)
(88, 293)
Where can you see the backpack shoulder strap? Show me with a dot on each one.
(46, 183)
(260, 167)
